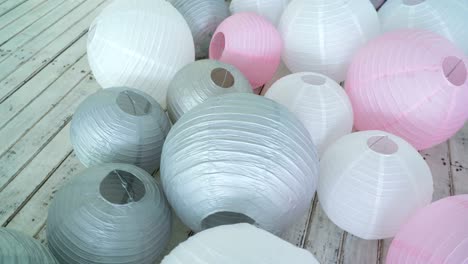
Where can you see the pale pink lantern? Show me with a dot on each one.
(249, 42)
(410, 83)
(436, 234)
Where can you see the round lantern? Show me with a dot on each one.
(270, 10)
(17, 248)
(412, 84)
(239, 243)
(371, 182)
(239, 158)
(436, 234)
(249, 42)
(201, 80)
(119, 125)
(446, 19)
(139, 44)
(112, 213)
(203, 17)
(320, 104)
(323, 35)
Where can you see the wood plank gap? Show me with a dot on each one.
(309, 220)
(36, 235)
(35, 72)
(64, 123)
(379, 251)
(450, 171)
(36, 189)
(341, 248)
(8, 9)
(20, 13)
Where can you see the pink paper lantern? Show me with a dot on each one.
(410, 83)
(436, 234)
(249, 42)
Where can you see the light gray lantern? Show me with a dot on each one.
(239, 158)
(119, 125)
(203, 17)
(201, 80)
(111, 213)
(18, 248)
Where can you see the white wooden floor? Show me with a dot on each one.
(44, 75)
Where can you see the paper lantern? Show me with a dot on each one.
(201, 80)
(249, 42)
(441, 17)
(239, 158)
(323, 35)
(203, 17)
(318, 102)
(239, 243)
(112, 213)
(139, 44)
(119, 125)
(270, 10)
(17, 248)
(412, 84)
(436, 234)
(371, 182)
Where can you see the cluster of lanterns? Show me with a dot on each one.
(234, 157)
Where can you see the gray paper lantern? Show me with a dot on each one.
(239, 158)
(203, 17)
(201, 80)
(112, 213)
(18, 248)
(119, 125)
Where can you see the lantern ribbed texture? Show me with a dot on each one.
(250, 43)
(371, 182)
(323, 35)
(201, 80)
(318, 102)
(119, 125)
(268, 9)
(112, 213)
(239, 158)
(139, 44)
(203, 17)
(436, 234)
(412, 84)
(18, 248)
(240, 243)
(445, 18)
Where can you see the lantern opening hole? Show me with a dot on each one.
(217, 45)
(222, 78)
(314, 79)
(225, 218)
(413, 2)
(122, 187)
(454, 70)
(382, 145)
(133, 103)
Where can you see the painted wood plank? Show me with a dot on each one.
(14, 41)
(357, 250)
(23, 22)
(18, 11)
(20, 155)
(23, 66)
(297, 233)
(459, 160)
(8, 5)
(50, 95)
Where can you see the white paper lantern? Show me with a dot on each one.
(318, 102)
(239, 158)
(371, 182)
(119, 125)
(112, 213)
(270, 9)
(139, 44)
(203, 17)
(240, 243)
(201, 80)
(18, 248)
(447, 18)
(323, 35)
